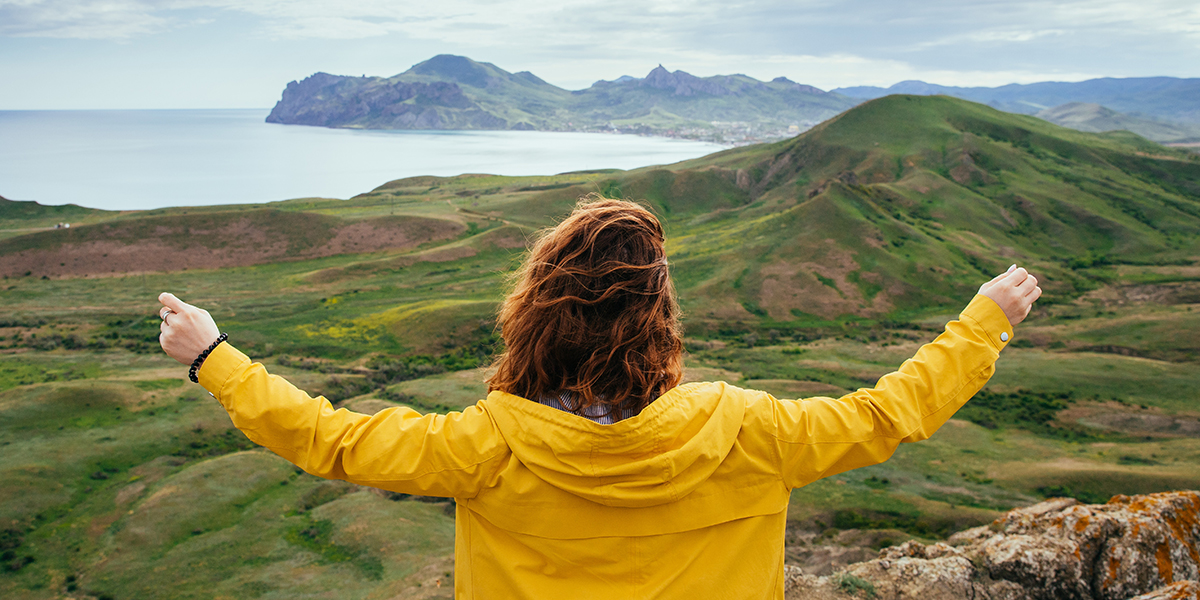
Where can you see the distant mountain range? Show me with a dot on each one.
(455, 92)
(1167, 98)
(1094, 118)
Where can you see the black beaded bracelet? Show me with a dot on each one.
(203, 355)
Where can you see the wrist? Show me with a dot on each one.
(196, 364)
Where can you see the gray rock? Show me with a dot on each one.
(1058, 549)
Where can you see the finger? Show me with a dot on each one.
(1016, 276)
(1011, 268)
(1026, 286)
(170, 301)
(1034, 294)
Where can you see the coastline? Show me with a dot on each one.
(146, 159)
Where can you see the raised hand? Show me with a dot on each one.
(186, 330)
(1014, 291)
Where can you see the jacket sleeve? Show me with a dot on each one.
(396, 449)
(819, 437)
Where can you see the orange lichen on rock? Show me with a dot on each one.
(1180, 590)
(1081, 524)
(1185, 525)
(1166, 569)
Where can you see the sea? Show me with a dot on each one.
(142, 159)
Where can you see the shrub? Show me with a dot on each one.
(853, 584)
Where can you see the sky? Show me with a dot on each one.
(132, 54)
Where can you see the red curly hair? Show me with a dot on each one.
(593, 313)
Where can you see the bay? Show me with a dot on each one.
(142, 159)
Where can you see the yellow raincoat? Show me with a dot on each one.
(686, 500)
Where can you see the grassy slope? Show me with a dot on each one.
(797, 277)
(19, 218)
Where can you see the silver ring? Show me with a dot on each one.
(166, 312)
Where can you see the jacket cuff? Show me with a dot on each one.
(221, 364)
(991, 318)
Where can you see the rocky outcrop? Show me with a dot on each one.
(1143, 547)
(683, 84)
(799, 87)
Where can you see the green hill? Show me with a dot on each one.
(805, 267)
(905, 202)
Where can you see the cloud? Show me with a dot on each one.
(573, 42)
(839, 25)
(116, 20)
(1147, 16)
(823, 71)
(995, 36)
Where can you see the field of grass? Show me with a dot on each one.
(805, 268)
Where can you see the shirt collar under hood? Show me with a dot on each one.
(656, 457)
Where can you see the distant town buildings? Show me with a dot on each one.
(726, 133)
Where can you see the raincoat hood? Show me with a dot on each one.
(665, 470)
(657, 457)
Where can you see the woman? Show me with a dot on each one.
(589, 472)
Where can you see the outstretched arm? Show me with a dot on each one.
(820, 437)
(396, 449)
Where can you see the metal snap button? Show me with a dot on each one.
(1004, 336)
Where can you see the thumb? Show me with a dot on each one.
(170, 301)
